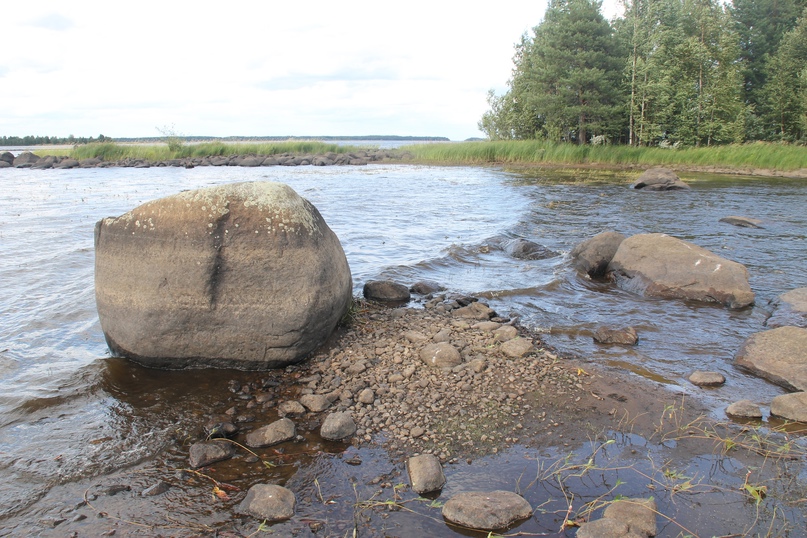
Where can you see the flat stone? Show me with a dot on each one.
(638, 514)
(474, 310)
(157, 489)
(778, 355)
(338, 426)
(268, 502)
(416, 337)
(744, 409)
(442, 355)
(425, 473)
(291, 407)
(606, 528)
(789, 309)
(659, 179)
(486, 326)
(625, 336)
(706, 379)
(516, 348)
(272, 434)
(743, 222)
(315, 402)
(207, 452)
(790, 406)
(486, 510)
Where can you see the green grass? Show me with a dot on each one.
(755, 155)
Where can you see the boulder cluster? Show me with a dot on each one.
(355, 158)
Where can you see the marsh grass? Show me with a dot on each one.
(754, 155)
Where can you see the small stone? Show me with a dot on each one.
(707, 379)
(157, 489)
(367, 396)
(416, 432)
(790, 406)
(269, 502)
(486, 510)
(516, 348)
(744, 409)
(505, 333)
(606, 528)
(638, 514)
(442, 355)
(625, 336)
(337, 426)
(486, 326)
(415, 337)
(291, 407)
(386, 291)
(207, 452)
(442, 336)
(425, 473)
(271, 434)
(315, 402)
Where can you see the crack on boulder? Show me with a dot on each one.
(219, 262)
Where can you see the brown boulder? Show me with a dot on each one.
(778, 355)
(245, 275)
(593, 255)
(789, 309)
(660, 179)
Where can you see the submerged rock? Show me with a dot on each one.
(486, 510)
(269, 502)
(523, 249)
(607, 335)
(778, 355)
(663, 266)
(207, 452)
(743, 222)
(244, 275)
(789, 309)
(272, 434)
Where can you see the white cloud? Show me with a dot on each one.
(256, 68)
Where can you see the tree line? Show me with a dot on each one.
(665, 73)
(32, 140)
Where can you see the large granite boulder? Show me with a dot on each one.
(593, 255)
(660, 179)
(245, 275)
(778, 355)
(789, 309)
(663, 266)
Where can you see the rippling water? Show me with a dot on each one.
(68, 412)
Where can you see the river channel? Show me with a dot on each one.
(64, 416)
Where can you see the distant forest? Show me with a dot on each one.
(72, 140)
(665, 73)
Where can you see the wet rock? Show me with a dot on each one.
(744, 409)
(778, 355)
(659, 179)
(222, 295)
(207, 452)
(338, 426)
(271, 434)
(517, 347)
(790, 406)
(7, 157)
(475, 310)
(66, 164)
(315, 402)
(25, 160)
(638, 514)
(291, 407)
(625, 336)
(789, 309)
(593, 255)
(425, 473)
(663, 266)
(441, 355)
(157, 489)
(5, 164)
(386, 291)
(743, 222)
(522, 249)
(217, 429)
(606, 528)
(426, 287)
(268, 502)
(486, 510)
(706, 379)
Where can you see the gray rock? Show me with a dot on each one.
(425, 473)
(157, 489)
(416, 337)
(606, 528)
(593, 255)
(315, 402)
(707, 379)
(778, 355)
(244, 275)
(386, 291)
(744, 409)
(663, 266)
(517, 347)
(291, 407)
(7, 157)
(475, 310)
(4, 164)
(659, 179)
(67, 163)
(271, 434)
(625, 336)
(207, 452)
(338, 426)
(638, 514)
(268, 502)
(367, 396)
(25, 160)
(523, 249)
(790, 406)
(486, 510)
(425, 287)
(743, 222)
(441, 355)
(789, 309)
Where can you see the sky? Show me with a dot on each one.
(253, 68)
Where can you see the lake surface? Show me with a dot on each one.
(65, 408)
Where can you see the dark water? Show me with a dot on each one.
(68, 414)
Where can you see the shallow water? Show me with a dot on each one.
(68, 414)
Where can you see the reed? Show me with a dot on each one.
(782, 157)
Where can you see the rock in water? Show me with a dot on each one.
(593, 255)
(245, 275)
(663, 266)
(269, 502)
(486, 510)
(660, 179)
(778, 355)
(425, 473)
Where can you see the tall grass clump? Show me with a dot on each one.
(754, 155)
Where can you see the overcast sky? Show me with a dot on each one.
(256, 67)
